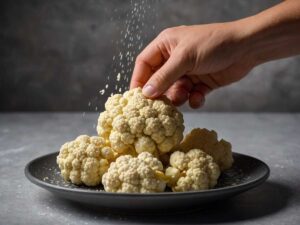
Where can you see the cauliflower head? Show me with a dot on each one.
(207, 141)
(133, 122)
(141, 174)
(191, 171)
(84, 160)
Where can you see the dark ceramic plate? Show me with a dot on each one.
(246, 173)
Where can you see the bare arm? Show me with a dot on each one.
(274, 33)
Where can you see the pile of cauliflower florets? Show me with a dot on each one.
(140, 149)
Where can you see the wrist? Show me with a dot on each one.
(244, 35)
(249, 34)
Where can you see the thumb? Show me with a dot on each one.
(175, 67)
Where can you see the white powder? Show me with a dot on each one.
(118, 77)
(138, 21)
(101, 92)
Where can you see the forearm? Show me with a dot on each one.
(272, 34)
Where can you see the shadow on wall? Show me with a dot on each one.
(267, 199)
(56, 55)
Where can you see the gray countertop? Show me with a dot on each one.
(273, 138)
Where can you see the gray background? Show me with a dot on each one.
(56, 55)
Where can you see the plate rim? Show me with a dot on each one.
(244, 186)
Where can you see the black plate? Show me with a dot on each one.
(246, 173)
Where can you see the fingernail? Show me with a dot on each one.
(198, 103)
(149, 90)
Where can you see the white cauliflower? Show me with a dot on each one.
(208, 142)
(191, 171)
(133, 122)
(142, 174)
(85, 160)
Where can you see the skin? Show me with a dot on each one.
(188, 62)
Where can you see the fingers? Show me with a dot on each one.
(150, 58)
(179, 92)
(162, 79)
(197, 95)
(184, 89)
(196, 99)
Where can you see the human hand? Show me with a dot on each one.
(188, 62)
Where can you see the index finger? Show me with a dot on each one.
(151, 57)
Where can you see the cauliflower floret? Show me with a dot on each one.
(208, 142)
(84, 160)
(131, 121)
(142, 174)
(191, 171)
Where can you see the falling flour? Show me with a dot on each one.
(130, 44)
(139, 20)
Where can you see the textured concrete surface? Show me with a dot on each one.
(56, 55)
(273, 138)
